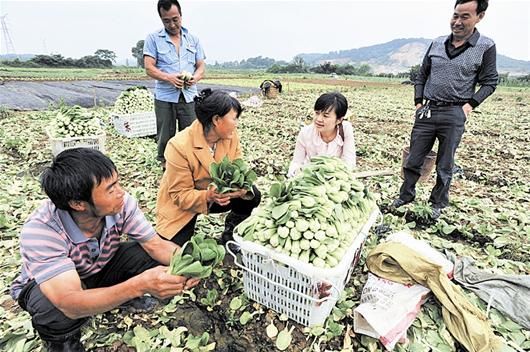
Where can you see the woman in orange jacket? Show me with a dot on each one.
(185, 190)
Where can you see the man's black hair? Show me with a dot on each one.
(166, 5)
(73, 174)
(482, 5)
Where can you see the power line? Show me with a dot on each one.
(8, 42)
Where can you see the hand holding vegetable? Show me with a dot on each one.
(190, 82)
(175, 79)
(213, 197)
(197, 257)
(159, 283)
(231, 177)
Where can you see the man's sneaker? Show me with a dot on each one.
(398, 203)
(436, 212)
(142, 304)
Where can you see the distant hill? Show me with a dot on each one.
(399, 55)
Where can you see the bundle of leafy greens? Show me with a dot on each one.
(230, 176)
(133, 100)
(75, 121)
(197, 257)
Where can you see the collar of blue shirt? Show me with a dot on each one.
(73, 231)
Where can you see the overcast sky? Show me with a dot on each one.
(235, 30)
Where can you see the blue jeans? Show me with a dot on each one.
(446, 124)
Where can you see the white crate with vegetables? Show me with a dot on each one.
(133, 113)
(74, 127)
(299, 249)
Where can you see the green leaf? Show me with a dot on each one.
(284, 339)
(141, 333)
(245, 318)
(280, 210)
(236, 303)
(271, 330)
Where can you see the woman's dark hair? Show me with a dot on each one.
(166, 5)
(332, 101)
(482, 5)
(210, 103)
(73, 175)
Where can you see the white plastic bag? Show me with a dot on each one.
(387, 309)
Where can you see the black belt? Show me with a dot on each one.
(446, 103)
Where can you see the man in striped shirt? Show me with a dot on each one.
(73, 262)
(444, 94)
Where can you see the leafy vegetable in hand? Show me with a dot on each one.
(230, 176)
(197, 257)
(186, 76)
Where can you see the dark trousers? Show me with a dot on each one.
(447, 125)
(240, 209)
(167, 115)
(51, 324)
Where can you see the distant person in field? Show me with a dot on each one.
(74, 264)
(328, 135)
(444, 94)
(175, 58)
(185, 189)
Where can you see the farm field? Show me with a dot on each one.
(488, 219)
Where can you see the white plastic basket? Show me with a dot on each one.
(290, 286)
(139, 124)
(58, 144)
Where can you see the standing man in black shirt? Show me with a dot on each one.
(444, 94)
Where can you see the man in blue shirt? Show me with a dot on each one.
(175, 58)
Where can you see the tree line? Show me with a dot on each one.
(102, 58)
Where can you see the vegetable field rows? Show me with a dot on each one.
(488, 220)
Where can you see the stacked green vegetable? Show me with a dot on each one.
(315, 216)
(75, 121)
(197, 258)
(133, 100)
(230, 176)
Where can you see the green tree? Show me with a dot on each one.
(299, 62)
(413, 73)
(138, 53)
(105, 54)
(364, 70)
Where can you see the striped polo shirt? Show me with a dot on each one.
(51, 243)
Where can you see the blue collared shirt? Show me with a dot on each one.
(159, 46)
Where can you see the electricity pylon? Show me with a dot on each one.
(8, 42)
